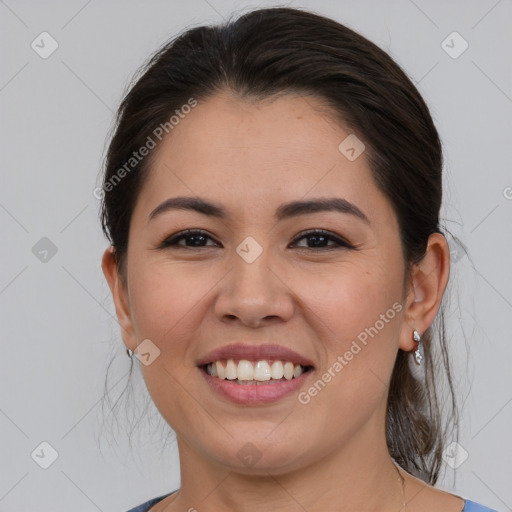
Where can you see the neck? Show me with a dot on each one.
(360, 476)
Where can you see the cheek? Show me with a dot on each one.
(166, 301)
(168, 308)
(359, 312)
(340, 306)
(350, 299)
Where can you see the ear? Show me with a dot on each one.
(425, 290)
(120, 296)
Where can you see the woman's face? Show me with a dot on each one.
(249, 279)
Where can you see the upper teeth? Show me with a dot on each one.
(262, 370)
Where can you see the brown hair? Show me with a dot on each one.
(279, 50)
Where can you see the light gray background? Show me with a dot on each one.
(58, 331)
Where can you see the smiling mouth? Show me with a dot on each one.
(259, 372)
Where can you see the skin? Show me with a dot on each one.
(251, 157)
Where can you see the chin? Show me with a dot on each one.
(258, 456)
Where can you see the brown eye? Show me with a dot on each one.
(320, 238)
(197, 237)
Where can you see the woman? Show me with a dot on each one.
(271, 195)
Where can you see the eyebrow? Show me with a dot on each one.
(285, 211)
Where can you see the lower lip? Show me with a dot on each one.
(254, 394)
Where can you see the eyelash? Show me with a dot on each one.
(173, 240)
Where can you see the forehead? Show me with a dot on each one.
(246, 153)
(291, 125)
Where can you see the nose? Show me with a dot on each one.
(254, 294)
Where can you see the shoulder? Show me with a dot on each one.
(471, 506)
(422, 497)
(144, 507)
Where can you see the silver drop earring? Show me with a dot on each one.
(417, 354)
